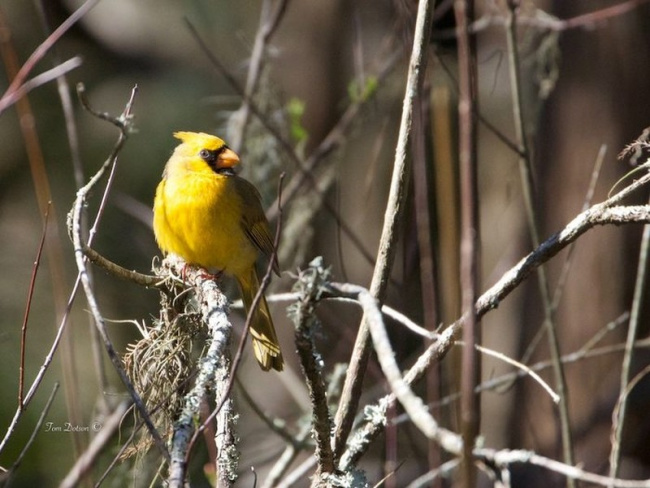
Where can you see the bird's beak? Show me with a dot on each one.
(227, 159)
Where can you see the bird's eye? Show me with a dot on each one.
(206, 155)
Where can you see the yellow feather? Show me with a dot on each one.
(212, 218)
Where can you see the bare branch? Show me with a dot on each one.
(8, 98)
(214, 312)
(525, 370)
(149, 281)
(505, 458)
(123, 123)
(470, 245)
(225, 439)
(640, 287)
(525, 164)
(394, 211)
(310, 286)
(601, 214)
(87, 460)
(413, 405)
(42, 79)
(269, 21)
(28, 306)
(301, 440)
(32, 437)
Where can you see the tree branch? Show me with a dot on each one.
(123, 123)
(393, 217)
(310, 286)
(601, 214)
(214, 312)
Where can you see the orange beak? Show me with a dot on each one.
(227, 159)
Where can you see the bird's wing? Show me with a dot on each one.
(254, 220)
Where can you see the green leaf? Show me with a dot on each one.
(362, 93)
(296, 109)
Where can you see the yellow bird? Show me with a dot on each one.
(212, 218)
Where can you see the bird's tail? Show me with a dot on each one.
(265, 342)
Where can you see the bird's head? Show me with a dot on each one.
(203, 151)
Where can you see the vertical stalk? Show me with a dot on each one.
(637, 301)
(470, 407)
(525, 169)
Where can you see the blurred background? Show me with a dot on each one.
(331, 86)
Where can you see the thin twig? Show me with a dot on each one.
(632, 332)
(587, 20)
(41, 372)
(302, 440)
(505, 458)
(28, 306)
(303, 469)
(385, 309)
(425, 480)
(492, 128)
(35, 432)
(269, 21)
(149, 281)
(53, 244)
(288, 456)
(547, 22)
(105, 431)
(528, 189)
(123, 123)
(18, 80)
(275, 425)
(525, 370)
(503, 382)
(398, 317)
(67, 105)
(568, 260)
(566, 266)
(412, 404)
(39, 80)
(427, 188)
(600, 214)
(119, 455)
(393, 217)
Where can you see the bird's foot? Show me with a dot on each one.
(211, 276)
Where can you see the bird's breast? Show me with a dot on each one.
(200, 219)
